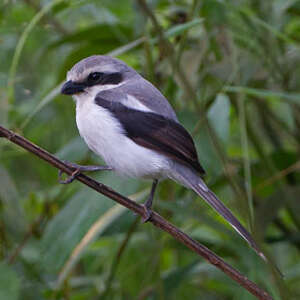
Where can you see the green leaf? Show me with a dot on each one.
(218, 116)
(24, 37)
(10, 284)
(67, 151)
(69, 226)
(102, 223)
(293, 98)
(179, 29)
(13, 214)
(173, 279)
(112, 35)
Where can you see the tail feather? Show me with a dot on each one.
(192, 180)
(213, 201)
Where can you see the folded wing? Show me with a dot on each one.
(155, 132)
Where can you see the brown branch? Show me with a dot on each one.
(156, 219)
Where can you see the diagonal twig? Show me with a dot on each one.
(48, 18)
(117, 258)
(156, 219)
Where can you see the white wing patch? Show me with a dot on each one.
(134, 103)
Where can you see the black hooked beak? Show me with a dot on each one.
(71, 88)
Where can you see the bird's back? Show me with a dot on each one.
(149, 96)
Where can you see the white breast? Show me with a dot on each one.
(104, 135)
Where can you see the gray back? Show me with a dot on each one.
(149, 96)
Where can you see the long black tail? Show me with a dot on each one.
(202, 190)
(192, 180)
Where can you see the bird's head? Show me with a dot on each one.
(95, 74)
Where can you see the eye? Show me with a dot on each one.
(94, 78)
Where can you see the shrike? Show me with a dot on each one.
(123, 118)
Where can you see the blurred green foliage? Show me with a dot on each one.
(242, 61)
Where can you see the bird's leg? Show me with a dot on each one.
(148, 204)
(78, 169)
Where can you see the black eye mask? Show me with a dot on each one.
(96, 78)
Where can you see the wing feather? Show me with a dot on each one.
(156, 132)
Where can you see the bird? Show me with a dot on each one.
(127, 121)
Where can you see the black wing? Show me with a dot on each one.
(155, 132)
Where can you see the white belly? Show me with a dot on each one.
(104, 136)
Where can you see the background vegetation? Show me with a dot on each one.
(232, 74)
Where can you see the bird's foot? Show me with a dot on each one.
(69, 179)
(148, 204)
(78, 169)
(147, 215)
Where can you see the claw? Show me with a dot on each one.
(70, 179)
(148, 204)
(148, 214)
(78, 169)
